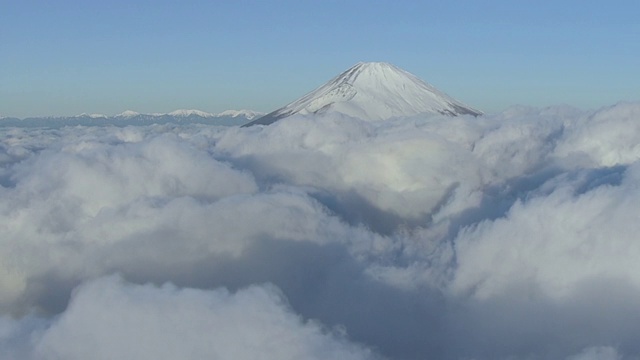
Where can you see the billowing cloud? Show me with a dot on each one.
(505, 236)
(109, 319)
(401, 168)
(580, 226)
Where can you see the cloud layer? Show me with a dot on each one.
(506, 236)
(107, 319)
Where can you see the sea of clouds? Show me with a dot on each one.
(508, 236)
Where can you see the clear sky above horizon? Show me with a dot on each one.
(69, 57)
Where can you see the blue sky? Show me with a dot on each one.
(68, 57)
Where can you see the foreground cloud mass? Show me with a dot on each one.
(146, 322)
(325, 237)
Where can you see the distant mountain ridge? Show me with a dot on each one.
(372, 91)
(128, 117)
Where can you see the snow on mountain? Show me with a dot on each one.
(249, 114)
(186, 113)
(133, 118)
(127, 113)
(92, 116)
(373, 91)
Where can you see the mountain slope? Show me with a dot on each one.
(372, 91)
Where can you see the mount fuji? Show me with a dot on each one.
(372, 91)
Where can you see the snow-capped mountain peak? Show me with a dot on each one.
(128, 113)
(373, 91)
(92, 116)
(249, 114)
(186, 113)
(133, 118)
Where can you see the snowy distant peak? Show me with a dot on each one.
(134, 118)
(128, 113)
(187, 113)
(373, 91)
(249, 114)
(92, 116)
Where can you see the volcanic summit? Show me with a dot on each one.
(372, 91)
